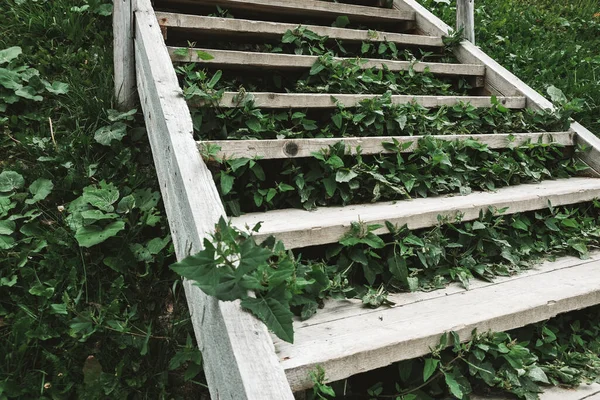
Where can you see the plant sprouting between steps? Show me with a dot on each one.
(371, 117)
(368, 267)
(335, 177)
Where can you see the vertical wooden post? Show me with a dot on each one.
(124, 57)
(465, 18)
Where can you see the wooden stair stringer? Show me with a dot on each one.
(502, 80)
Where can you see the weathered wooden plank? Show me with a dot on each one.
(311, 8)
(465, 18)
(239, 362)
(274, 30)
(335, 309)
(301, 228)
(124, 61)
(344, 347)
(499, 79)
(253, 60)
(296, 148)
(326, 100)
(587, 392)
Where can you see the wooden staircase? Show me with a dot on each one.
(242, 360)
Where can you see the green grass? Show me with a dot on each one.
(88, 308)
(544, 43)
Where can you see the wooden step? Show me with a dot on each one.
(327, 100)
(253, 60)
(300, 228)
(215, 26)
(346, 339)
(310, 8)
(583, 391)
(296, 148)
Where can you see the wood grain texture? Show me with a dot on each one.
(301, 228)
(296, 148)
(344, 347)
(500, 80)
(123, 54)
(314, 8)
(274, 30)
(326, 100)
(351, 308)
(253, 60)
(465, 18)
(583, 392)
(239, 362)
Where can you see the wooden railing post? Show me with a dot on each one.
(465, 18)
(124, 56)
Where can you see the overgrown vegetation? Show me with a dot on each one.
(367, 266)
(435, 167)
(561, 351)
(88, 307)
(544, 43)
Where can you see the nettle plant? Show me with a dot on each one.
(371, 117)
(19, 82)
(367, 266)
(336, 177)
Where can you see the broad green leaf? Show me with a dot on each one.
(5, 281)
(10, 79)
(341, 22)
(204, 55)
(276, 316)
(28, 93)
(215, 79)
(91, 235)
(337, 120)
(430, 367)
(107, 134)
(344, 175)
(102, 198)
(397, 266)
(537, 375)
(156, 245)
(41, 290)
(454, 386)
(556, 95)
(57, 87)
(11, 180)
(58, 309)
(7, 227)
(252, 256)
(478, 226)
(7, 55)
(226, 183)
(40, 189)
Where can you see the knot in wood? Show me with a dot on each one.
(290, 149)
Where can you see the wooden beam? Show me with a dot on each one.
(253, 60)
(300, 228)
(239, 362)
(326, 100)
(311, 8)
(124, 61)
(275, 30)
(346, 345)
(297, 148)
(465, 18)
(502, 81)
